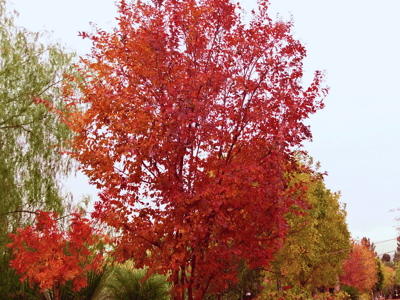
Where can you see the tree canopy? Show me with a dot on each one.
(191, 121)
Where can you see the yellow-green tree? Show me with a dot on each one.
(397, 275)
(313, 250)
(388, 276)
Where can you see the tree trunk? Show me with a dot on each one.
(175, 295)
(58, 294)
(183, 270)
(190, 287)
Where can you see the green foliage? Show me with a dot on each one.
(127, 283)
(96, 282)
(30, 163)
(354, 294)
(388, 275)
(379, 285)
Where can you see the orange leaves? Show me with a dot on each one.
(45, 255)
(360, 270)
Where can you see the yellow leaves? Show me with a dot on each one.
(314, 232)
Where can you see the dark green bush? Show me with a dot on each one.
(352, 291)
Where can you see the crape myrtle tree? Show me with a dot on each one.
(30, 162)
(190, 121)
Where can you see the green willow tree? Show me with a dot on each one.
(31, 164)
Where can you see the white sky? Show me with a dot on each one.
(357, 134)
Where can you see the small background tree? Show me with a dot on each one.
(360, 270)
(50, 257)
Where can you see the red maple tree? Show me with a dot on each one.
(50, 257)
(360, 270)
(188, 129)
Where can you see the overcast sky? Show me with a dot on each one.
(357, 134)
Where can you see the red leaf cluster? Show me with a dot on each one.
(45, 255)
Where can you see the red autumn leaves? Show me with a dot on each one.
(188, 133)
(360, 270)
(47, 255)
